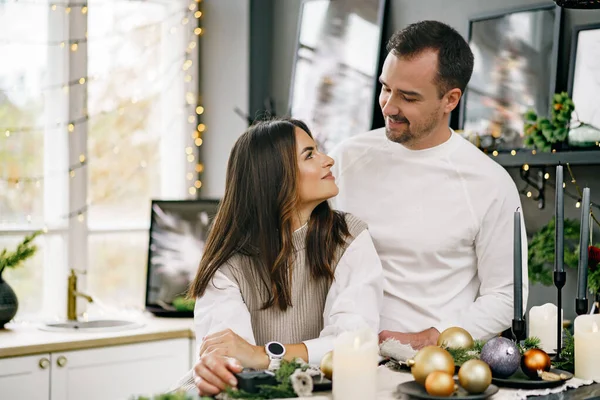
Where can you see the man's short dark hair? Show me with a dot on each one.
(455, 58)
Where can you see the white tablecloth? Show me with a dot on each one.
(388, 380)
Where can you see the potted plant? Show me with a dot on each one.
(8, 259)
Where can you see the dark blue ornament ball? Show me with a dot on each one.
(502, 355)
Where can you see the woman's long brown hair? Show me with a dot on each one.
(255, 215)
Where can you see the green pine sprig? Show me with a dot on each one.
(567, 354)
(24, 250)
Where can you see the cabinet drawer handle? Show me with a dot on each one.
(44, 363)
(61, 361)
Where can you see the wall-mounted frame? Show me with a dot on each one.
(584, 73)
(516, 55)
(178, 232)
(336, 66)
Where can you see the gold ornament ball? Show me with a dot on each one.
(475, 376)
(439, 383)
(455, 338)
(327, 365)
(428, 360)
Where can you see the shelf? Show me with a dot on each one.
(524, 156)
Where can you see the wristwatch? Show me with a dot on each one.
(275, 351)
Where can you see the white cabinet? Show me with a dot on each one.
(25, 377)
(116, 372)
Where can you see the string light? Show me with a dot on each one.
(198, 14)
(192, 190)
(199, 110)
(526, 167)
(564, 185)
(495, 153)
(192, 7)
(199, 168)
(578, 204)
(533, 152)
(84, 10)
(189, 176)
(201, 127)
(191, 119)
(82, 158)
(74, 47)
(198, 31)
(71, 127)
(528, 194)
(67, 10)
(188, 150)
(546, 176)
(198, 142)
(513, 152)
(191, 158)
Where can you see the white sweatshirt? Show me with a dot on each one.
(442, 223)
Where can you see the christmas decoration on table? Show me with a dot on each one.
(293, 379)
(174, 396)
(475, 376)
(502, 355)
(534, 361)
(440, 383)
(428, 360)
(567, 354)
(455, 338)
(545, 134)
(326, 365)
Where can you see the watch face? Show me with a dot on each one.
(276, 349)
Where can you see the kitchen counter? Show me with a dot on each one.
(25, 338)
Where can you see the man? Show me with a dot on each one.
(439, 210)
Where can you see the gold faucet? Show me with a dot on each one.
(72, 295)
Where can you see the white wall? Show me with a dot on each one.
(224, 85)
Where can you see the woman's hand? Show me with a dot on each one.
(228, 343)
(213, 374)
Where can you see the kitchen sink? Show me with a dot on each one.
(105, 325)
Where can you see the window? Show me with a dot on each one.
(99, 114)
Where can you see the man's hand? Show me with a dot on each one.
(213, 374)
(416, 340)
(228, 343)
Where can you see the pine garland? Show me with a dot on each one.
(24, 250)
(174, 396)
(461, 356)
(567, 354)
(282, 390)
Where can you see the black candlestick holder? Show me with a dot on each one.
(519, 327)
(560, 278)
(581, 306)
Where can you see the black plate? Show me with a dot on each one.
(414, 389)
(321, 384)
(519, 380)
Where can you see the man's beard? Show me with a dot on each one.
(409, 135)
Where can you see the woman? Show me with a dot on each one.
(282, 274)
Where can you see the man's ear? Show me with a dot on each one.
(452, 97)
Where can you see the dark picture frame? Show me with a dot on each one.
(335, 97)
(178, 231)
(587, 105)
(503, 112)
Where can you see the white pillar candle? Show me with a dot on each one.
(587, 347)
(542, 324)
(355, 359)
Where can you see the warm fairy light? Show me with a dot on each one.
(188, 78)
(84, 10)
(72, 174)
(192, 190)
(526, 167)
(53, 8)
(81, 81)
(7, 133)
(192, 7)
(71, 127)
(533, 152)
(82, 158)
(80, 217)
(196, 134)
(189, 150)
(198, 14)
(578, 204)
(198, 142)
(199, 168)
(546, 176)
(191, 119)
(65, 89)
(190, 158)
(199, 110)
(190, 98)
(187, 64)
(68, 10)
(528, 194)
(495, 153)
(198, 184)
(513, 152)
(198, 31)
(564, 185)
(184, 21)
(189, 176)
(201, 127)
(554, 150)
(74, 47)
(62, 45)
(192, 45)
